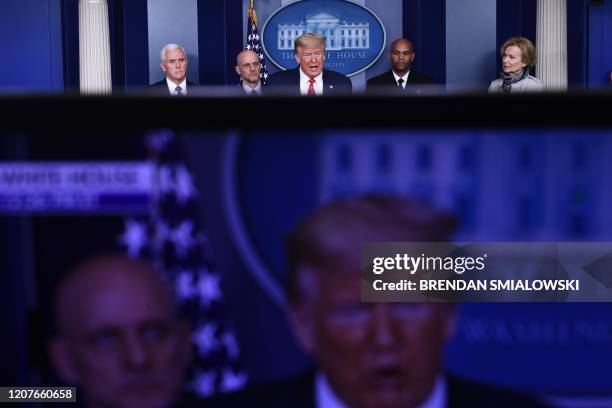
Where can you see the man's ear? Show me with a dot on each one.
(161, 65)
(303, 326)
(238, 71)
(413, 55)
(61, 357)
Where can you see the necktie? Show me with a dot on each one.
(179, 91)
(253, 92)
(311, 86)
(400, 82)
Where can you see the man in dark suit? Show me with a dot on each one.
(400, 79)
(309, 78)
(174, 63)
(368, 355)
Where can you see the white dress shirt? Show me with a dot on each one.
(248, 90)
(172, 86)
(305, 84)
(326, 398)
(404, 77)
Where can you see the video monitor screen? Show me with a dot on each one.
(224, 203)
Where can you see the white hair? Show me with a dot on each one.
(170, 47)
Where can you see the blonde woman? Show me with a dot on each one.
(518, 56)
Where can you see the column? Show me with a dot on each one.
(94, 47)
(551, 44)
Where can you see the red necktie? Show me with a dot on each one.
(311, 86)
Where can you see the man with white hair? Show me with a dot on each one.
(174, 63)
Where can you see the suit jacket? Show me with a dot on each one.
(385, 83)
(299, 392)
(288, 83)
(161, 88)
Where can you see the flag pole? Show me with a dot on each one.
(252, 13)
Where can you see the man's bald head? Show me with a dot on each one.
(119, 338)
(246, 54)
(401, 54)
(402, 42)
(248, 67)
(111, 278)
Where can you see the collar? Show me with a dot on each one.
(305, 78)
(172, 86)
(248, 89)
(397, 77)
(326, 398)
(324, 395)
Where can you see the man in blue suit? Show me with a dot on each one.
(309, 78)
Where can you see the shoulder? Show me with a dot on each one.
(383, 78)
(534, 81)
(289, 74)
(158, 84)
(495, 85)
(478, 395)
(420, 78)
(159, 88)
(529, 84)
(336, 77)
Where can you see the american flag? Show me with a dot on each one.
(174, 240)
(254, 42)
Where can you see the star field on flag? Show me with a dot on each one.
(253, 42)
(171, 237)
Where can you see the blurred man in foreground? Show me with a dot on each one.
(368, 354)
(118, 336)
(373, 354)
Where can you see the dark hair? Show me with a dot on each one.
(322, 237)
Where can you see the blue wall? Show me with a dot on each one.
(173, 22)
(30, 34)
(600, 45)
(470, 44)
